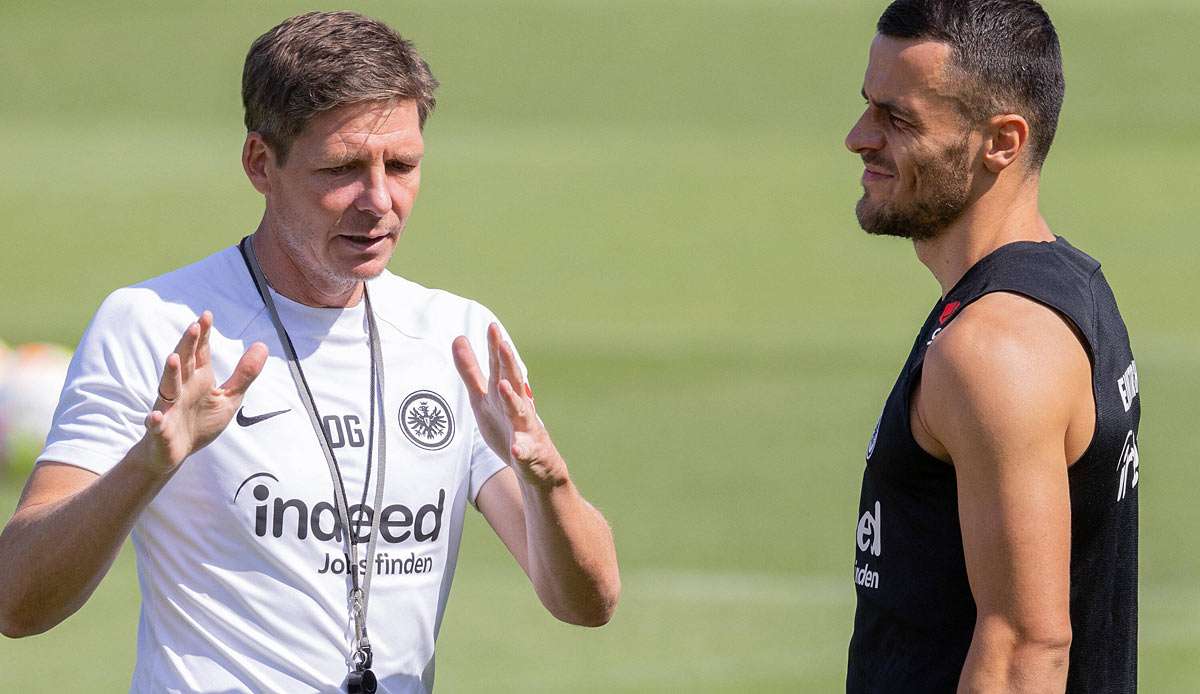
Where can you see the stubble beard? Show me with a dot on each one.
(292, 237)
(945, 194)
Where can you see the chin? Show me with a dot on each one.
(368, 270)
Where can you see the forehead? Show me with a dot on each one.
(909, 72)
(385, 127)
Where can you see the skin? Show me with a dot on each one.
(1005, 391)
(335, 209)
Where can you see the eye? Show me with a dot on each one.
(400, 166)
(899, 123)
(338, 170)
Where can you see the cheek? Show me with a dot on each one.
(910, 168)
(406, 191)
(334, 199)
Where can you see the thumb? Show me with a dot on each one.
(248, 368)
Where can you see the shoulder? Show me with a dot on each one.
(1055, 274)
(219, 283)
(1006, 366)
(424, 313)
(157, 310)
(1008, 331)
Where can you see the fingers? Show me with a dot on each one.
(468, 367)
(494, 339)
(203, 356)
(248, 368)
(518, 408)
(504, 359)
(154, 422)
(510, 369)
(171, 383)
(186, 349)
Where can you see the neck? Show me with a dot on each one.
(286, 276)
(988, 224)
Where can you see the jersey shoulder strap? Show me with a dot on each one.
(1052, 273)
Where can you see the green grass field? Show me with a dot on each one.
(655, 198)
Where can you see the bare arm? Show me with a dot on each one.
(561, 541)
(65, 534)
(70, 523)
(1006, 397)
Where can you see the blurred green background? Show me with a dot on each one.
(655, 198)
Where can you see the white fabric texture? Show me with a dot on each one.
(240, 560)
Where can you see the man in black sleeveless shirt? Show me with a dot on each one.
(996, 543)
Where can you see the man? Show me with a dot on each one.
(996, 547)
(258, 570)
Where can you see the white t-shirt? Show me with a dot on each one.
(242, 571)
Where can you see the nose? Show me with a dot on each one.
(864, 136)
(375, 198)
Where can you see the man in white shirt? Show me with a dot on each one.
(297, 526)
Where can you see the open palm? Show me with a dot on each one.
(504, 409)
(190, 412)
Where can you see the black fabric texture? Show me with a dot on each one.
(915, 613)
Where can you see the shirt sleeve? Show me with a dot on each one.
(484, 464)
(484, 461)
(109, 389)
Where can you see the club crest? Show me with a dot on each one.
(426, 420)
(874, 438)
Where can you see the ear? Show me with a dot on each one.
(257, 160)
(1009, 134)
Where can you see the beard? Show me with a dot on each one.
(297, 242)
(943, 194)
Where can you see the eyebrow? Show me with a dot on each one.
(356, 158)
(890, 106)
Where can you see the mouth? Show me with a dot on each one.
(366, 242)
(874, 175)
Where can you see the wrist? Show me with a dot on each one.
(543, 474)
(150, 459)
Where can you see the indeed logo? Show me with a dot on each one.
(397, 522)
(868, 532)
(869, 539)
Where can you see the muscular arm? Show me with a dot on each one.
(70, 523)
(1006, 397)
(559, 539)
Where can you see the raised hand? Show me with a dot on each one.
(190, 412)
(504, 410)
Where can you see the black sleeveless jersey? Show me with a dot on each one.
(915, 613)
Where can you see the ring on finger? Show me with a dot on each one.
(164, 398)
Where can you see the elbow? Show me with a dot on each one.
(595, 609)
(1053, 642)
(14, 627)
(1049, 638)
(18, 622)
(1037, 650)
(605, 606)
(9, 630)
(10, 626)
(591, 615)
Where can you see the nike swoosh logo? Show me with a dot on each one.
(245, 421)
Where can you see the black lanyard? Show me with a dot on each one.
(361, 679)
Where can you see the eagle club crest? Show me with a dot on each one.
(426, 420)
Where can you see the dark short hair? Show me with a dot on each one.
(1007, 49)
(319, 61)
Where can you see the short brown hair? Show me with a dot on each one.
(319, 61)
(1007, 48)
